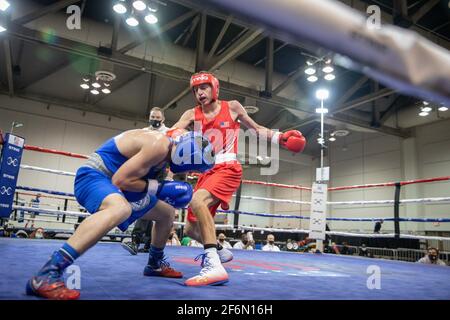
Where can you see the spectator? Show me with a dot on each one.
(222, 241)
(38, 234)
(345, 249)
(378, 226)
(432, 257)
(270, 246)
(363, 252)
(185, 241)
(173, 239)
(244, 243)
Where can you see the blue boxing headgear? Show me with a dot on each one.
(192, 152)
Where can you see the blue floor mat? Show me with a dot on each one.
(110, 272)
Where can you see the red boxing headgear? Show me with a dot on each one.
(208, 78)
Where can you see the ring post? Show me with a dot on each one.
(398, 187)
(11, 157)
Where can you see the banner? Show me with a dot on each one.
(11, 157)
(317, 222)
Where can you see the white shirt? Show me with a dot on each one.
(240, 245)
(270, 247)
(195, 243)
(225, 244)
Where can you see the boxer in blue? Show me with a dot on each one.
(119, 183)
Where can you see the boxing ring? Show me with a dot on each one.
(282, 275)
(109, 272)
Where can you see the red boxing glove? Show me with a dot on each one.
(293, 140)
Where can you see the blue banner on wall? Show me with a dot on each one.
(9, 172)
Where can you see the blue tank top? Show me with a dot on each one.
(113, 160)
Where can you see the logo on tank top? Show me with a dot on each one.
(224, 124)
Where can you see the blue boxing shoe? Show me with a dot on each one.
(49, 283)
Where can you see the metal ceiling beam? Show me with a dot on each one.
(77, 105)
(58, 5)
(430, 4)
(269, 66)
(352, 90)
(219, 38)
(275, 51)
(191, 30)
(8, 66)
(237, 48)
(46, 74)
(201, 38)
(116, 29)
(291, 78)
(362, 100)
(160, 31)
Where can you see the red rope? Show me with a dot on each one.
(63, 153)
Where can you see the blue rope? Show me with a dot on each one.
(337, 219)
(58, 193)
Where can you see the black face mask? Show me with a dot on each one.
(155, 123)
(221, 240)
(271, 242)
(432, 257)
(244, 241)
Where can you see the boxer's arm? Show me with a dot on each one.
(185, 121)
(242, 115)
(129, 176)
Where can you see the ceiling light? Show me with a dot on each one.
(95, 92)
(84, 86)
(132, 21)
(106, 91)
(4, 5)
(332, 139)
(328, 69)
(119, 7)
(96, 85)
(426, 109)
(423, 114)
(2, 29)
(309, 62)
(151, 18)
(330, 77)
(312, 79)
(310, 71)
(425, 103)
(443, 108)
(139, 5)
(322, 94)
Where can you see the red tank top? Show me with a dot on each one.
(222, 131)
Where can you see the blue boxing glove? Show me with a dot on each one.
(176, 193)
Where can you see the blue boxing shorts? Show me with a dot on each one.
(92, 187)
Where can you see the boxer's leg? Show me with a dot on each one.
(163, 216)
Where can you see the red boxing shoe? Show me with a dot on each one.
(50, 288)
(162, 270)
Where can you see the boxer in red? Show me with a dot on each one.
(220, 122)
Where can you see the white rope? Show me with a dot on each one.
(337, 233)
(358, 202)
(274, 200)
(39, 210)
(64, 173)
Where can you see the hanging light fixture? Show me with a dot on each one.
(120, 7)
(139, 5)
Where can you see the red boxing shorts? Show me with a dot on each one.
(221, 181)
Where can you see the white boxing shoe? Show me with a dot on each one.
(225, 255)
(212, 273)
